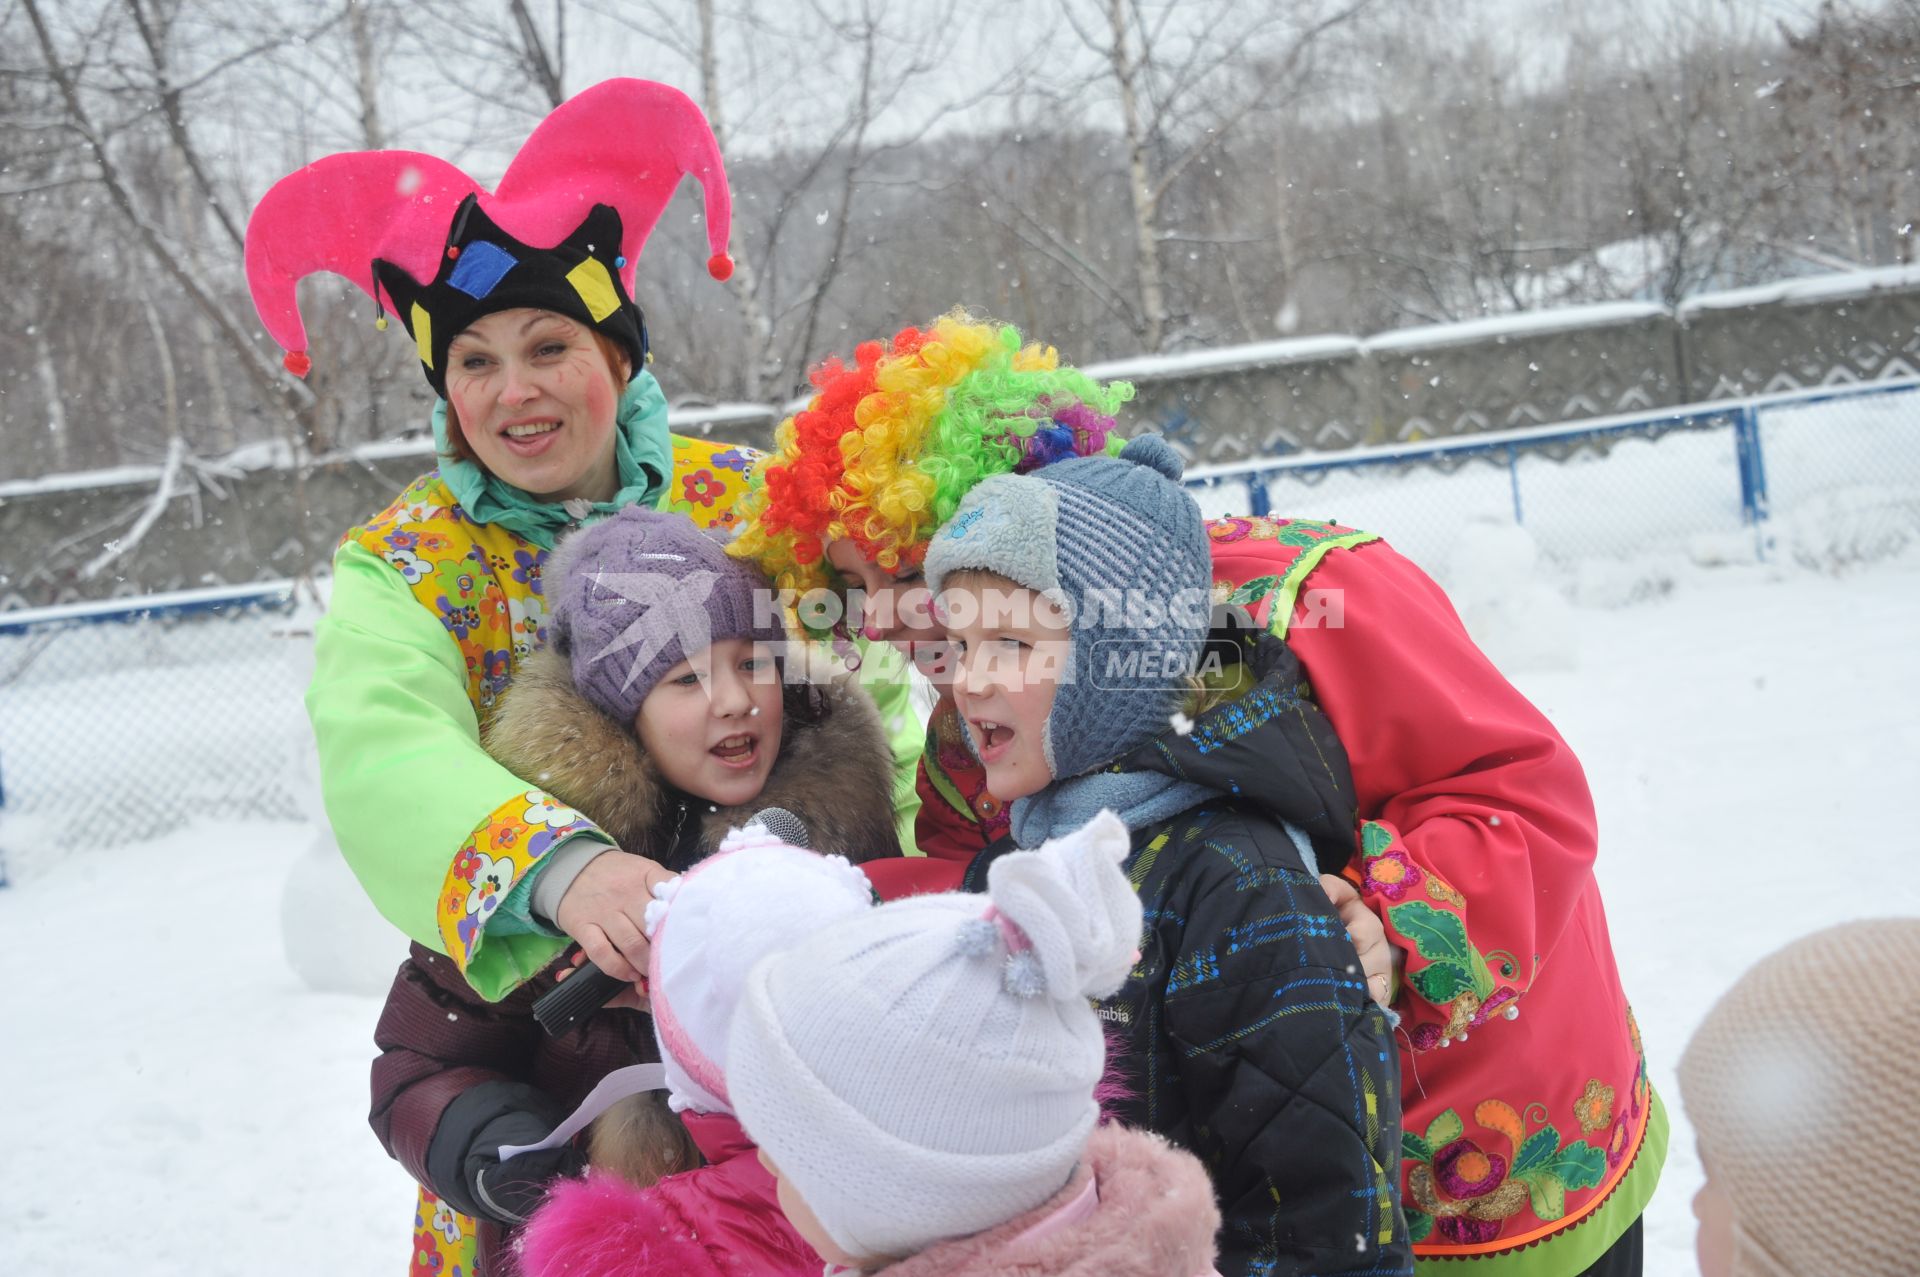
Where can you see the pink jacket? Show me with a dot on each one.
(721, 1220)
(1137, 1207)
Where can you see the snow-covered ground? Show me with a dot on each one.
(181, 1102)
(1744, 738)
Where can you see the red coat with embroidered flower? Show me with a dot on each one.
(1526, 1104)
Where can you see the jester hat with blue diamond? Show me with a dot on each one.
(562, 232)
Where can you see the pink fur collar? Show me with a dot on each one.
(1155, 1218)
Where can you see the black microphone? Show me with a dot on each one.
(567, 1005)
(784, 825)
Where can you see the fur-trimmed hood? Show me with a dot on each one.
(836, 773)
(1155, 1218)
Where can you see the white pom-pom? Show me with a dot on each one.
(976, 938)
(663, 894)
(1074, 904)
(752, 834)
(852, 878)
(1182, 725)
(656, 911)
(1025, 977)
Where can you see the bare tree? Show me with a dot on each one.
(544, 61)
(1848, 91)
(1184, 82)
(366, 73)
(65, 72)
(756, 327)
(827, 90)
(1129, 173)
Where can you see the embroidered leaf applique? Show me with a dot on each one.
(1441, 938)
(1580, 1165)
(1305, 533)
(1445, 1129)
(1442, 982)
(1255, 590)
(1549, 1196)
(1374, 839)
(1415, 1149)
(1419, 1225)
(1549, 1171)
(1537, 1151)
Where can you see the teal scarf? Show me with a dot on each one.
(643, 455)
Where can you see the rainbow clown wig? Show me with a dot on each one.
(891, 442)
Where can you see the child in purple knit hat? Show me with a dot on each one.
(661, 710)
(642, 591)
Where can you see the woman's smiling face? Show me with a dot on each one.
(535, 397)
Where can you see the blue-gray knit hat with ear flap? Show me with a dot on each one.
(1123, 546)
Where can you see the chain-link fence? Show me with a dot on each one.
(125, 720)
(1841, 475)
(1825, 478)
(120, 721)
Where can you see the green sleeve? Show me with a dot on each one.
(404, 777)
(889, 680)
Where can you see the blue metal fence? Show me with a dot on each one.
(125, 719)
(1703, 482)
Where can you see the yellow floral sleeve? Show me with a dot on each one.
(502, 849)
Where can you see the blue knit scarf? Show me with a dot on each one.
(1140, 799)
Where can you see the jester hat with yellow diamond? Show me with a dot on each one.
(562, 232)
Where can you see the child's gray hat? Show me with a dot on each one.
(1121, 545)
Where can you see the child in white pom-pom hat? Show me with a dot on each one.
(921, 1078)
(707, 928)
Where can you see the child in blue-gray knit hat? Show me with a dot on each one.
(1077, 599)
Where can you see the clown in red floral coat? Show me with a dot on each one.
(1533, 1141)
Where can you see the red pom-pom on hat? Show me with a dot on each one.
(297, 363)
(720, 266)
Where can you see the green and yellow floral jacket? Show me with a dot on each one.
(430, 616)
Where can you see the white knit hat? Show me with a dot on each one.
(708, 927)
(926, 1070)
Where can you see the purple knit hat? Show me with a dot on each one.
(636, 594)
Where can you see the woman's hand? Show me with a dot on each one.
(605, 912)
(1368, 933)
(633, 997)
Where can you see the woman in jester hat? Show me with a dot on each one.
(1462, 819)
(519, 301)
